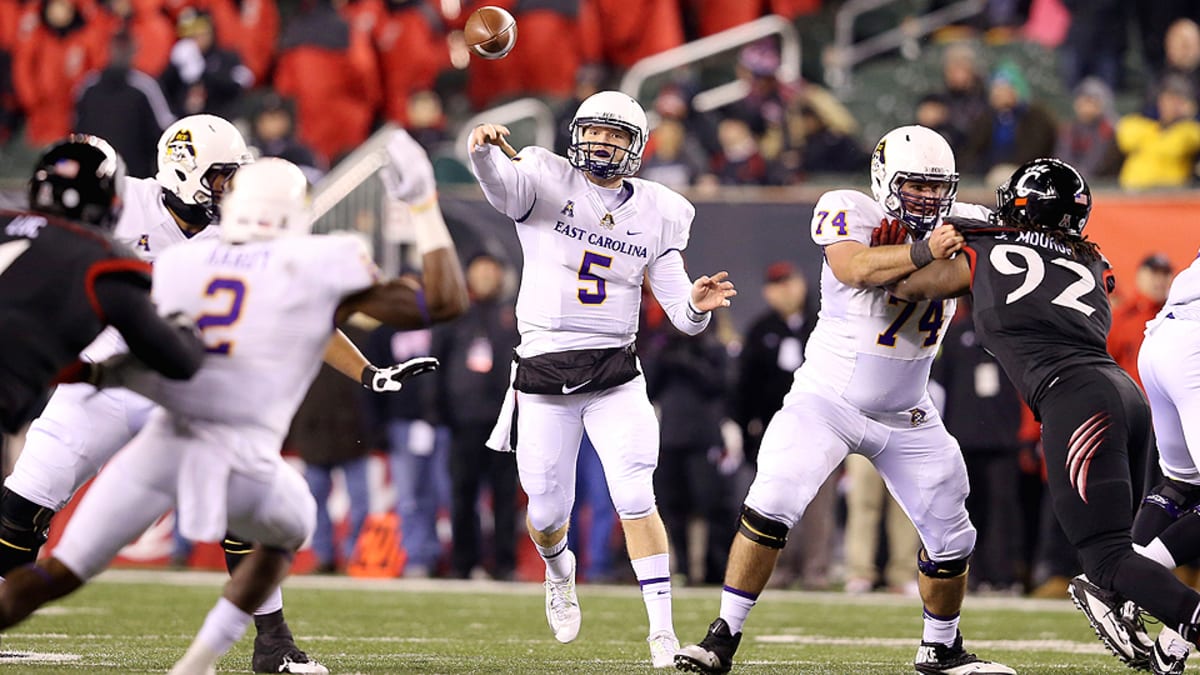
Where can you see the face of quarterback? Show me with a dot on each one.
(604, 139)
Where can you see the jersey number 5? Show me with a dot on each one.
(586, 274)
(1035, 271)
(232, 291)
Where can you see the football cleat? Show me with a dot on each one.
(935, 658)
(1117, 623)
(714, 654)
(277, 653)
(1171, 658)
(562, 607)
(663, 646)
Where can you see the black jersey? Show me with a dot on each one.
(49, 310)
(1037, 307)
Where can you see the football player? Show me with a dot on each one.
(1039, 293)
(590, 233)
(863, 389)
(48, 317)
(264, 298)
(81, 429)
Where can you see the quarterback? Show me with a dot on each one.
(590, 232)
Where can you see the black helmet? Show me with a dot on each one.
(79, 178)
(1046, 193)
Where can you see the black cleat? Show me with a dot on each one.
(935, 658)
(275, 651)
(714, 654)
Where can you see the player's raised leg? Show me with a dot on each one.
(550, 434)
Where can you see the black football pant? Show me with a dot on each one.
(1096, 434)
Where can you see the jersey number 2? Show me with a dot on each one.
(1035, 271)
(234, 291)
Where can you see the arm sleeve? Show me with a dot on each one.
(126, 306)
(673, 289)
(509, 185)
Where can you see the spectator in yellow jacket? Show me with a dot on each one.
(1162, 152)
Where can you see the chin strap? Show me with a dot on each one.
(196, 215)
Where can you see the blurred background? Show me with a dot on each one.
(756, 108)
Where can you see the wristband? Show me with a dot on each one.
(695, 315)
(368, 374)
(919, 253)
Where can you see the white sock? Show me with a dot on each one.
(654, 576)
(1156, 551)
(735, 607)
(940, 629)
(198, 659)
(272, 604)
(224, 626)
(560, 562)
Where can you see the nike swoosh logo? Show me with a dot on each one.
(632, 233)
(572, 390)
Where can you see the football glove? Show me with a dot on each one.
(115, 371)
(392, 378)
(408, 176)
(889, 233)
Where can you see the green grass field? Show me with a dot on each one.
(139, 621)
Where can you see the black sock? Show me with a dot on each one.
(272, 623)
(236, 551)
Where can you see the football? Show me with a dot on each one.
(491, 32)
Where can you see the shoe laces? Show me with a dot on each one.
(562, 597)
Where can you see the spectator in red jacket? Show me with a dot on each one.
(60, 42)
(714, 16)
(622, 32)
(411, 40)
(152, 32)
(1150, 286)
(331, 73)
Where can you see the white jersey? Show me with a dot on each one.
(1185, 290)
(148, 229)
(581, 283)
(870, 348)
(265, 311)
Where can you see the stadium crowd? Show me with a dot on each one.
(312, 78)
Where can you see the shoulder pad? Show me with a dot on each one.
(845, 215)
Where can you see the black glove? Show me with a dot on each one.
(392, 378)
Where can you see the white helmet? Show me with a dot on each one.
(268, 199)
(608, 109)
(914, 153)
(193, 154)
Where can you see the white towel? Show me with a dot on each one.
(502, 432)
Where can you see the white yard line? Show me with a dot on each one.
(344, 583)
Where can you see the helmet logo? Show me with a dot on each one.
(879, 151)
(181, 150)
(67, 168)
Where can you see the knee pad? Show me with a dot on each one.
(1174, 497)
(632, 493)
(236, 550)
(941, 569)
(762, 530)
(24, 529)
(546, 514)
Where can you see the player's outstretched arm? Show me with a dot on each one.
(171, 348)
(939, 279)
(864, 267)
(342, 355)
(441, 294)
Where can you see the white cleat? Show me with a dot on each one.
(663, 646)
(562, 607)
(311, 667)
